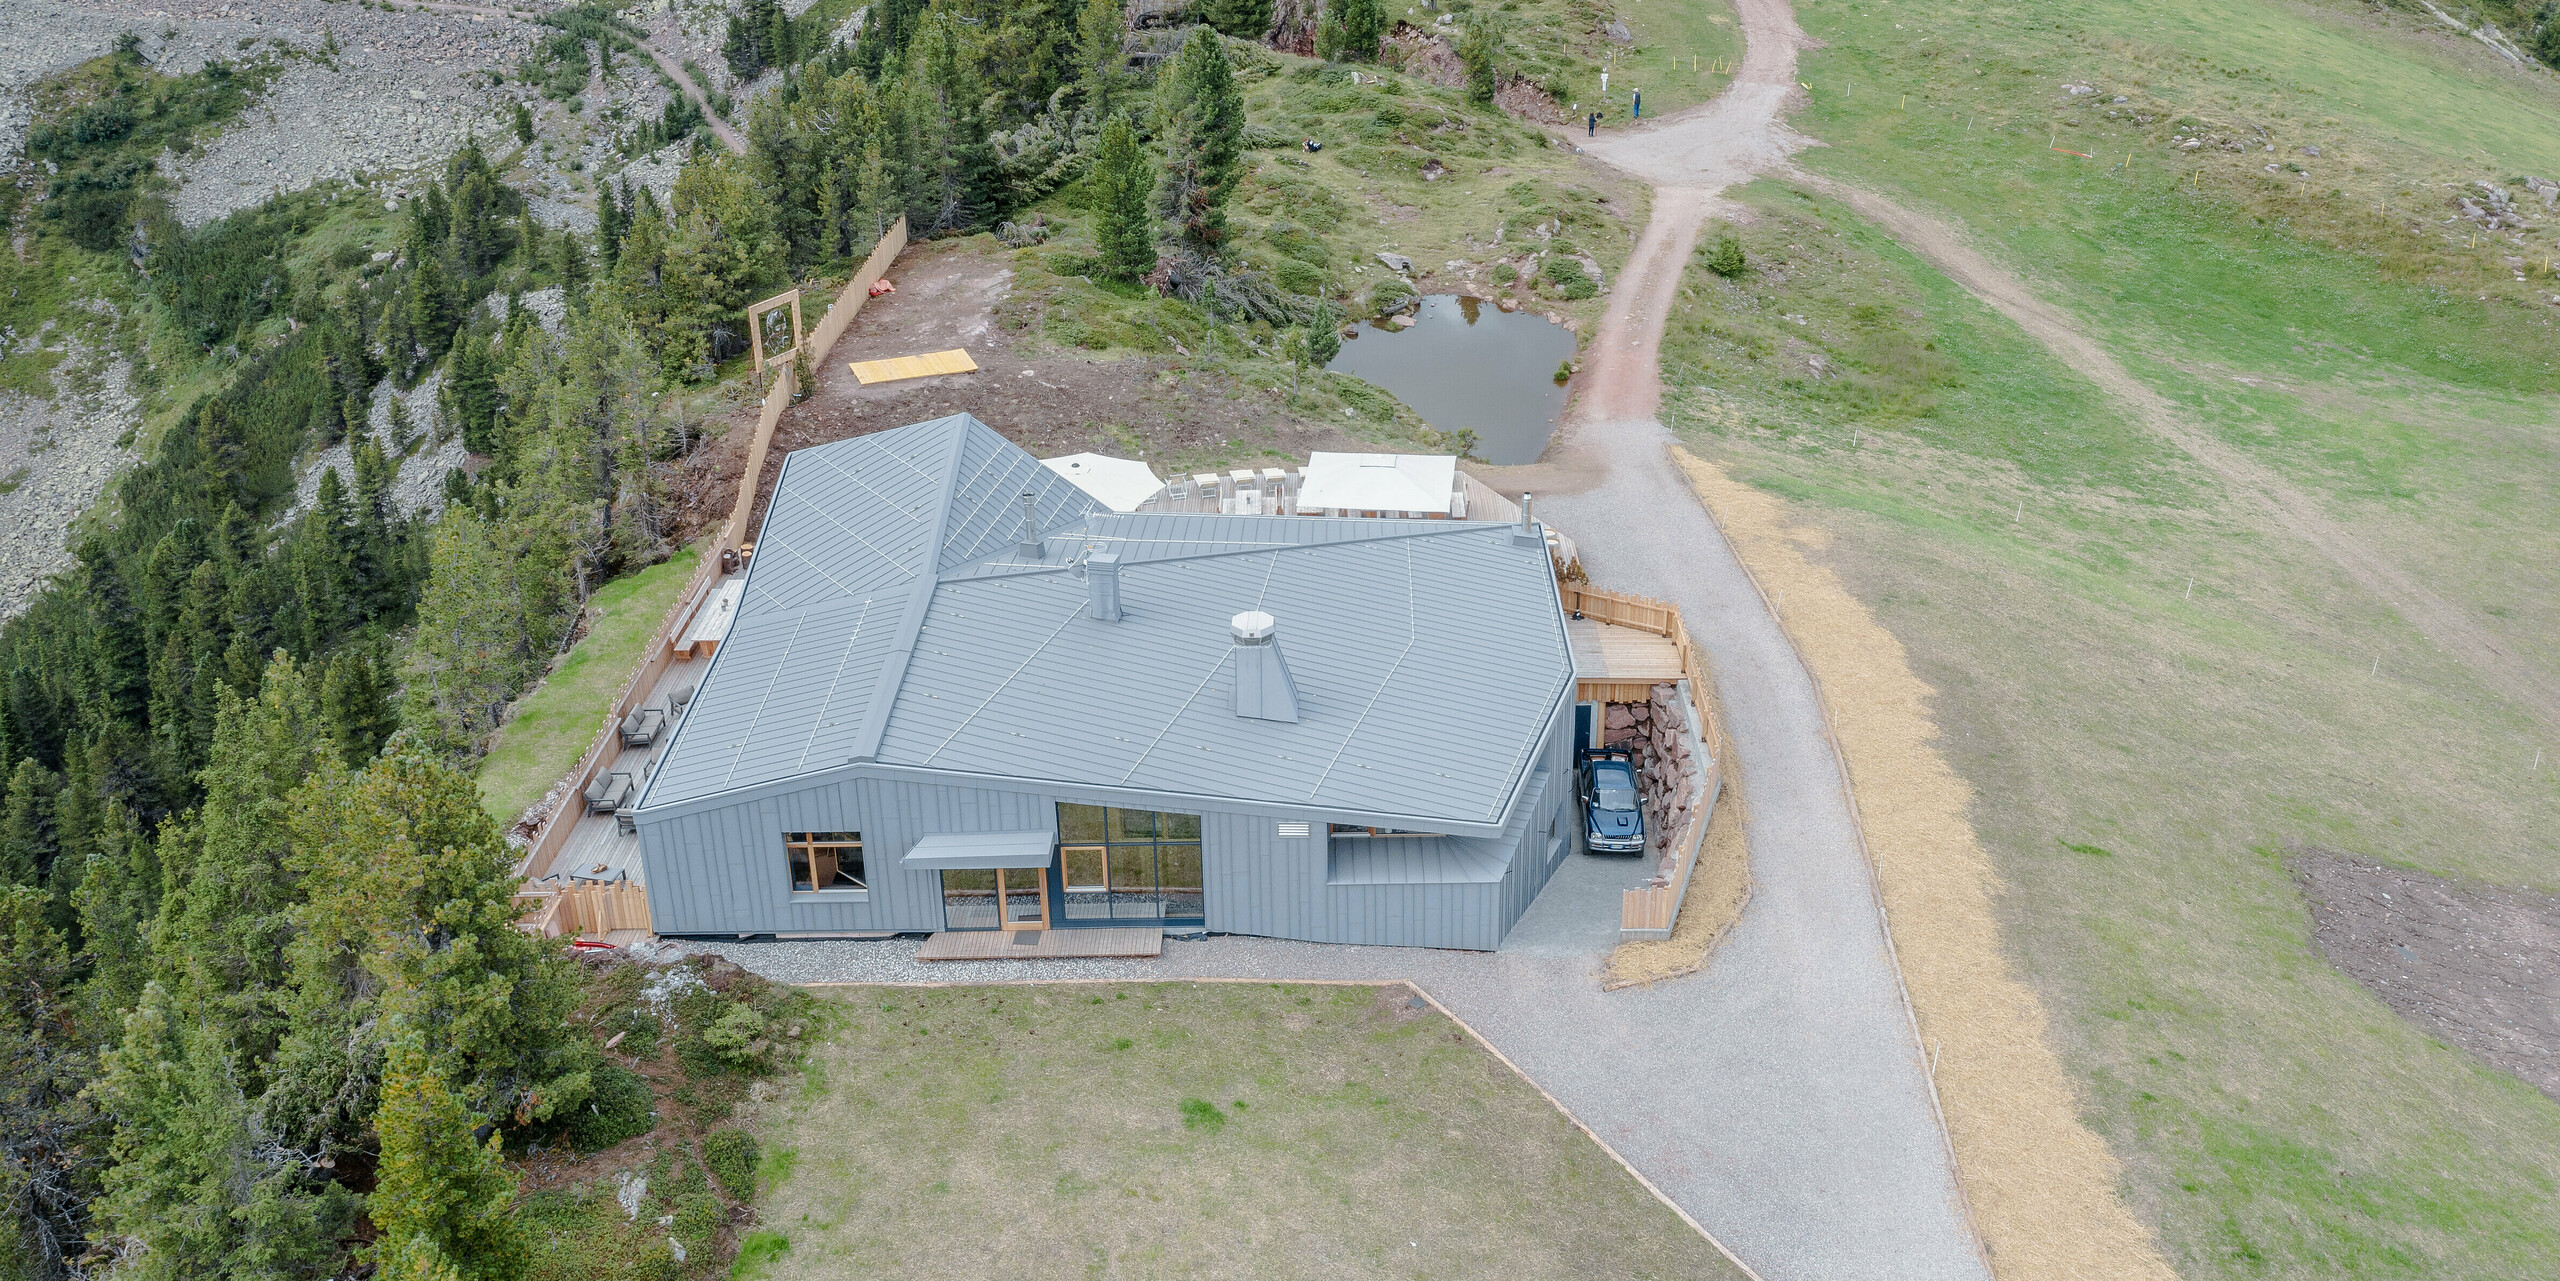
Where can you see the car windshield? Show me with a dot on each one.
(1612, 790)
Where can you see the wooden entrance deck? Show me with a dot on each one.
(1041, 945)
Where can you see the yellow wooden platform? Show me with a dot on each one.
(954, 361)
(1040, 945)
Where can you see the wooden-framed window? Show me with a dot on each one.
(825, 860)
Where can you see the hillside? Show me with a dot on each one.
(2312, 242)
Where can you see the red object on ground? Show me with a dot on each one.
(882, 286)
(590, 943)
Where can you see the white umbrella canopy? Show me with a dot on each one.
(1121, 484)
(1379, 482)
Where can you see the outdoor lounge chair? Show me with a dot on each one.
(641, 727)
(610, 792)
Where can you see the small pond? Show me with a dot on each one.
(1465, 363)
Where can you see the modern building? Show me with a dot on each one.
(958, 692)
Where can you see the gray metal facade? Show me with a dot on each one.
(899, 667)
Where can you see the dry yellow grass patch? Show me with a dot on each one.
(1713, 902)
(2042, 1186)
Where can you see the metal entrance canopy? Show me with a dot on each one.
(981, 849)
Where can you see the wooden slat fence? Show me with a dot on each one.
(585, 910)
(1651, 912)
(732, 536)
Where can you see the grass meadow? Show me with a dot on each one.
(2158, 700)
(1208, 1130)
(552, 726)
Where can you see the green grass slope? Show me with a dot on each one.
(2156, 699)
(553, 725)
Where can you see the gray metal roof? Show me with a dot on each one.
(889, 616)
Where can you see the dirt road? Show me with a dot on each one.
(1818, 1150)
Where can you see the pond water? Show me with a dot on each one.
(1465, 363)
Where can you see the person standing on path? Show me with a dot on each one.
(1592, 125)
(1639, 113)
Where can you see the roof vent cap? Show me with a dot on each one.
(1102, 587)
(1263, 690)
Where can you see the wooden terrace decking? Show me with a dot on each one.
(1620, 664)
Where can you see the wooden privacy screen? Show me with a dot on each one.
(583, 910)
(554, 833)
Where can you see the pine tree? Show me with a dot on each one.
(49, 1143)
(1243, 19)
(119, 890)
(1124, 216)
(431, 317)
(1478, 47)
(407, 930)
(473, 383)
(28, 844)
(1100, 27)
(569, 263)
(195, 1182)
(444, 1203)
(1200, 122)
(612, 216)
(1350, 30)
(355, 705)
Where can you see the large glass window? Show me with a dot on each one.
(969, 899)
(824, 860)
(1129, 865)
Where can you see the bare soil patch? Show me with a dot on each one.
(1177, 414)
(2473, 964)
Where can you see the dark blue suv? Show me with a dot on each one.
(1612, 818)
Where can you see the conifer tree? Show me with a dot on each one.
(49, 1146)
(355, 705)
(198, 1187)
(1200, 124)
(119, 891)
(1100, 27)
(1350, 30)
(406, 929)
(444, 1203)
(473, 383)
(1123, 195)
(1242, 19)
(28, 844)
(1478, 47)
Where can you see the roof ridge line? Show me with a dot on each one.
(1443, 529)
(920, 589)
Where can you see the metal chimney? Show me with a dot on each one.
(1528, 534)
(1102, 587)
(1030, 526)
(1263, 690)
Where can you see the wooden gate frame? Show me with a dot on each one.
(755, 330)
